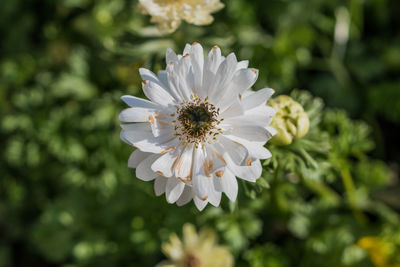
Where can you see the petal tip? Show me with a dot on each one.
(219, 173)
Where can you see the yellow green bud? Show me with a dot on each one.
(290, 121)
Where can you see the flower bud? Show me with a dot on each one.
(290, 121)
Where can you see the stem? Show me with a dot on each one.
(350, 191)
(331, 197)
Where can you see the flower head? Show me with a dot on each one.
(291, 121)
(201, 129)
(379, 250)
(168, 14)
(196, 250)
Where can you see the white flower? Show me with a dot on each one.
(201, 129)
(195, 250)
(168, 14)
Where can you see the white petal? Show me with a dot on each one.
(140, 135)
(160, 123)
(256, 149)
(247, 93)
(257, 98)
(163, 77)
(174, 189)
(157, 94)
(148, 75)
(237, 152)
(173, 81)
(141, 130)
(227, 184)
(186, 50)
(251, 132)
(135, 114)
(170, 56)
(186, 196)
(214, 60)
(215, 161)
(197, 59)
(261, 115)
(136, 157)
(234, 110)
(227, 69)
(228, 100)
(134, 101)
(271, 130)
(214, 197)
(223, 78)
(243, 80)
(135, 132)
(157, 144)
(123, 137)
(210, 68)
(200, 204)
(144, 171)
(248, 173)
(164, 164)
(200, 179)
(242, 64)
(185, 76)
(183, 165)
(159, 185)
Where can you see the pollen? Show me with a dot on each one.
(151, 119)
(248, 162)
(219, 173)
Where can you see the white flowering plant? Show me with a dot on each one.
(202, 127)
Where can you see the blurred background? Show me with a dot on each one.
(67, 197)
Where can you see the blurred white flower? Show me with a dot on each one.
(168, 14)
(201, 129)
(196, 250)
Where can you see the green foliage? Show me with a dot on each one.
(67, 197)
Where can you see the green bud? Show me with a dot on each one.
(290, 121)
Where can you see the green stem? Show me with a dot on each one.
(331, 197)
(351, 194)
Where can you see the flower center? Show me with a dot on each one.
(197, 121)
(191, 260)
